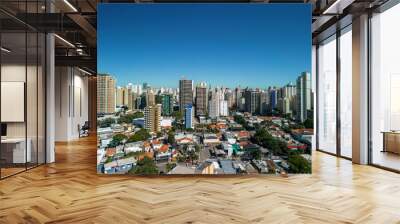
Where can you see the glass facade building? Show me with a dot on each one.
(189, 116)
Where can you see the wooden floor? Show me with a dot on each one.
(70, 191)
(387, 159)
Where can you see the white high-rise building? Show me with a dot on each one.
(119, 98)
(289, 90)
(213, 107)
(303, 96)
(137, 89)
(286, 106)
(223, 108)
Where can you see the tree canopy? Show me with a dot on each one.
(298, 164)
(178, 115)
(171, 137)
(128, 118)
(140, 135)
(117, 140)
(145, 166)
(277, 146)
(240, 120)
(105, 122)
(309, 123)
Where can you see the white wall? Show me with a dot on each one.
(12, 73)
(71, 102)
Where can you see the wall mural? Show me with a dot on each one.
(204, 89)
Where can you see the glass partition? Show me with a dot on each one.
(22, 88)
(327, 95)
(31, 97)
(13, 92)
(385, 89)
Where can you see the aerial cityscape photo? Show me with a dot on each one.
(190, 89)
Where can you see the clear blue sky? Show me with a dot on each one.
(255, 45)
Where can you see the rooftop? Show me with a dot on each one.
(227, 167)
(179, 169)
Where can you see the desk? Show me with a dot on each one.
(13, 150)
(391, 141)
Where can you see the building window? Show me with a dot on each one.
(327, 95)
(385, 89)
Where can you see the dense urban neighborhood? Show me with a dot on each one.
(202, 130)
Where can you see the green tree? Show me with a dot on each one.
(133, 154)
(128, 118)
(255, 153)
(309, 123)
(105, 122)
(119, 137)
(283, 148)
(158, 99)
(239, 119)
(109, 159)
(298, 164)
(117, 140)
(140, 135)
(181, 158)
(171, 137)
(286, 129)
(170, 166)
(296, 126)
(146, 166)
(192, 155)
(277, 146)
(197, 148)
(178, 115)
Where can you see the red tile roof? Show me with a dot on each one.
(185, 138)
(164, 148)
(111, 152)
(156, 142)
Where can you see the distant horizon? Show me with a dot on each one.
(197, 82)
(246, 45)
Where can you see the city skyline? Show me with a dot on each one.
(208, 85)
(290, 99)
(234, 44)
